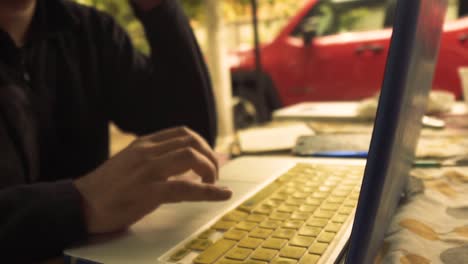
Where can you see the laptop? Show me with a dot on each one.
(292, 210)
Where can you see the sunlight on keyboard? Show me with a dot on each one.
(292, 220)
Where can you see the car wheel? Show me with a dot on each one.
(245, 112)
(252, 106)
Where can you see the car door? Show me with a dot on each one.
(453, 55)
(346, 58)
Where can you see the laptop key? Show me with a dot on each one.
(271, 224)
(294, 202)
(284, 233)
(320, 195)
(235, 234)
(292, 252)
(274, 243)
(256, 218)
(339, 218)
(223, 225)
(300, 216)
(333, 227)
(229, 261)
(199, 244)
(317, 222)
(250, 242)
(329, 206)
(309, 259)
(313, 201)
(286, 208)
(306, 189)
(260, 233)
(207, 234)
(300, 195)
(301, 241)
(279, 197)
(354, 196)
(323, 214)
(310, 231)
(251, 261)
(264, 254)
(214, 252)
(340, 193)
(350, 203)
(272, 203)
(279, 260)
(318, 248)
(247, 226)
(345, 210)
(293, 224)
(235, 216)
(180, 254)
(238, 253)
(326, 237)
(279, 216)
(264, 209)
(335, 199)
(252, 202)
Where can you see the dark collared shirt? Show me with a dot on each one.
(78, 72)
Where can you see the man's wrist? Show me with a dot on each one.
(147, 5)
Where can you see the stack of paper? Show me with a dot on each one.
(269, 139)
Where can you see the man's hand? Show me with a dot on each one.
(135, 182)
(147, 5)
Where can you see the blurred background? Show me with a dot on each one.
(268, 54)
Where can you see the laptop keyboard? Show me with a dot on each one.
(292, 220)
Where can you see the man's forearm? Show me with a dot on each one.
(40, 219)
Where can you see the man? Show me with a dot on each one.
(66, 71)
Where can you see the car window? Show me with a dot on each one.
(330, 17)
(335, 17)
(361, 18)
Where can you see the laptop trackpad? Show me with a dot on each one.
(146, 241)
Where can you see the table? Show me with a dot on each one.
(431, 224)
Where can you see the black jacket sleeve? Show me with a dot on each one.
(39, 219)
(170, 88)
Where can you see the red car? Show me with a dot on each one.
(337, 50)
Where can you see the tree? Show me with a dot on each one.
(232, 10)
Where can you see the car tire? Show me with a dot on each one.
(245, 112)
(252, 106)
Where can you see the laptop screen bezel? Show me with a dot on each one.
(401, 108)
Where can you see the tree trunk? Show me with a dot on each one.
(217, 62)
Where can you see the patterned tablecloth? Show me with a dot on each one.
(431, 225)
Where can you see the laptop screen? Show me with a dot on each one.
(408, 80)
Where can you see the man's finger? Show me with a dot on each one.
(172, 133)
(164, 134)
(180, 161)
(182, 142)
(184, 191)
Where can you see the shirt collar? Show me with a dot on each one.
(51, 18)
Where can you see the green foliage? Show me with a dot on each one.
(123, 13)
(233, 10)
(193, 8)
